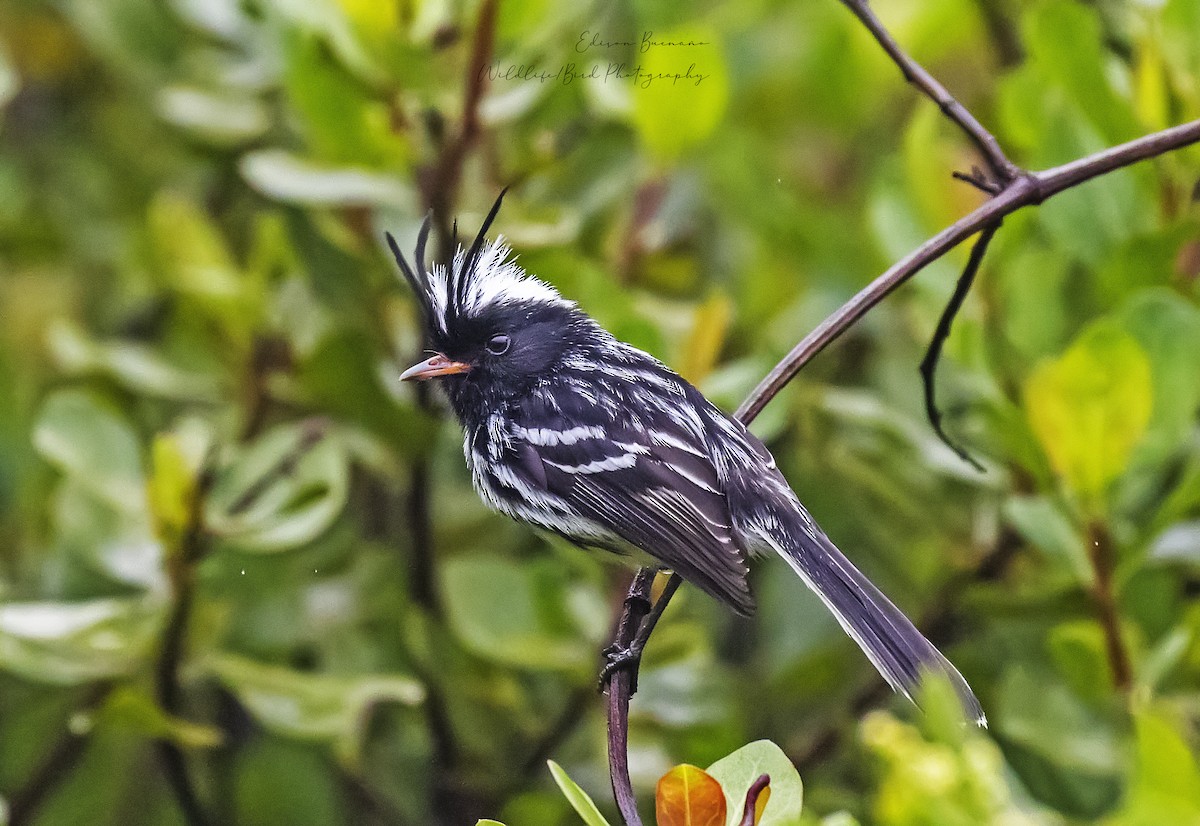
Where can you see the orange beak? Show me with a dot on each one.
(438, 365)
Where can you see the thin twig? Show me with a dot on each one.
(934, 353)
(1027, 190)
(1103, 559)
(182, 570)
(440, 184)
(752, 794)
(1001, 167)
(60, 761)
(313, 430)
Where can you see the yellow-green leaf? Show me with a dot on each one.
(689, 796)
(1090, 406)
(580, 800)
(704, 342)
(171, 488)
(681, 88)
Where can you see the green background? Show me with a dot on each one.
(192, 200)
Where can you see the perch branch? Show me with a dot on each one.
(1026, 190)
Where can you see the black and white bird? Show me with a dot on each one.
(580, 434)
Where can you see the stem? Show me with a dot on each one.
(1103, 558)
(934, 353)
(752, 795)
(182, 570)
(637, 605)
(57, 766)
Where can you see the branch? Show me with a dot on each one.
(439, 184)
(929, 363)
(1003, 170)
(440, 187)
(1026, 190)
(182, 570)
(60, 761)
(1102, 556)
(637, 605)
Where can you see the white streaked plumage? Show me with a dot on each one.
(497, 279)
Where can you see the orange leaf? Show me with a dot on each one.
(689, 796)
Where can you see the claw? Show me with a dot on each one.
(618, 658)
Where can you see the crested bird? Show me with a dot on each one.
(573, 431)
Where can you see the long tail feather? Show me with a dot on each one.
(893, 644)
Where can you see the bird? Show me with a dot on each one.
(582, 435)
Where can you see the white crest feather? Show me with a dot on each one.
(497, 279)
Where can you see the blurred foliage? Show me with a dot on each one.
(201, 419)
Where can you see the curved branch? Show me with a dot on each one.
(934, 353)
(1002, 169)
(1025, 190)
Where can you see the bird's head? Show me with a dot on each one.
(494, 329)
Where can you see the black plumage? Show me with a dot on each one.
(571, 430)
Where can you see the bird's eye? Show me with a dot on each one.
(498, 345)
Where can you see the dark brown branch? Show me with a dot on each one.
(440, 187)
(61, 760)
(1001, 167)
(312, 432)
(439, 184)
(934, 353)
(182, 573)
(637, 605)
(1103, 559)
(1027, 190)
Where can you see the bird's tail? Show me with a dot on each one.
(889, 639)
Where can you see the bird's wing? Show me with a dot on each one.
(654, 488)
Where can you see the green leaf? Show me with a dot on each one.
(488, 822)
(577, 797)
(286, 177)
(1090, 407)
(69, 643)
(172, 486)
(1079, 653)
(1166, 786)
(94, 446)
(295, 506)
(1065, 753)
(1168, 329)
(736, 772)
(135, 366)
(312, 706)
(133, 710)
(680, 91)
(9, 84)
(513, 612)
(219, 117)
(1042, 523)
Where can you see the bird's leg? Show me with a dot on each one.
(637, 623)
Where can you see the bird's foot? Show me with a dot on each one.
(621, 658)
